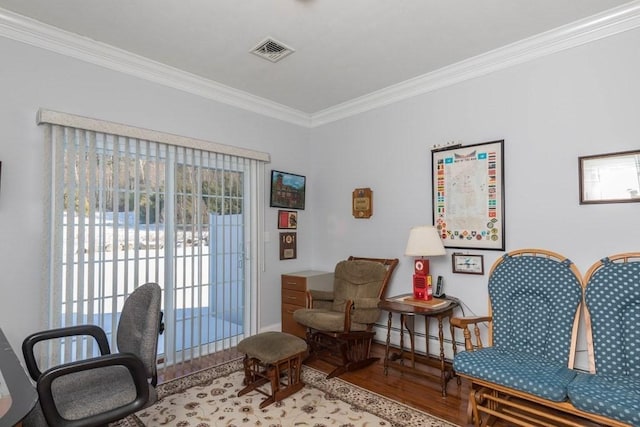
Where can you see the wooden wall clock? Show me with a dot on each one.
(362, 203)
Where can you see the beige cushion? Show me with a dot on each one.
(356, 279)
(271, 347)
(359, 281)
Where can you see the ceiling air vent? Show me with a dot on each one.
(272, 50)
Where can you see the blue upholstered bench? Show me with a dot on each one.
(535, 303)
(535, 298)
(612, 299)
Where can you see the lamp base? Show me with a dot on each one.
(421, 266)
(422, 288)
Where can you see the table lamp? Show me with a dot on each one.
(423, 241)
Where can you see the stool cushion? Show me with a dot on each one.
(271, 347)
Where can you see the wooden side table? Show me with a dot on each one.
(408, 311)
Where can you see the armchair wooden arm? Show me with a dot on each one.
(463, 323)
(347, 316)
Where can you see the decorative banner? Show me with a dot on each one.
(468, 195)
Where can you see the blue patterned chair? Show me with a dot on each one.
(535, 299)
(612, 299)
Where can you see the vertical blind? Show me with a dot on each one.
(130, 206)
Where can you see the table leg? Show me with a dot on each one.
(410, 325)
(386, 351)
(443, 376)
(402, 323)
(426, 333)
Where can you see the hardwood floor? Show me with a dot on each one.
(416, 391)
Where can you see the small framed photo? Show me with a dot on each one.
(287, 190)
(467, 264)
(287, 220)
(610, 178)
(288, 246)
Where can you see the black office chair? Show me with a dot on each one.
(99, 390)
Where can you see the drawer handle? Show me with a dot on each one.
(291, 297)
(292, 283)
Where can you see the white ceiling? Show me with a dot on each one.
(344, 49)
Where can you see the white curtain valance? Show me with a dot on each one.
(87, 123)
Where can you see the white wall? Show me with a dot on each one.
(550, 111)
(31, 78)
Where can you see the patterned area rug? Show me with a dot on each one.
(209, 398)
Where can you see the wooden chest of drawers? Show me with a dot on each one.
(294, 289)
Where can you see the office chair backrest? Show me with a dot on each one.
(139, 325)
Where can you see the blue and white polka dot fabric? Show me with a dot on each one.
(612, 298)
(534, 301)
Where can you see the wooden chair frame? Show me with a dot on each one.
(489, 401)
(283, 376)
(347, 350)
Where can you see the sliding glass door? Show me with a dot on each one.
(126, 211)
(209, 256)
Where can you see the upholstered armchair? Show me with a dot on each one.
(340, 322)
(102, 389)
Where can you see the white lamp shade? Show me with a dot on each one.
(424, 240)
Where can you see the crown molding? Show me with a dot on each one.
(596, 27)
(32, 32)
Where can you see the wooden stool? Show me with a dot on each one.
(276, 358)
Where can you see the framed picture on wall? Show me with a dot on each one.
(467, 264)
(610, 178)
(287, 190)
(288, 246)
(468, 195)
(288, 220)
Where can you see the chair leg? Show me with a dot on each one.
(258, 374)
(292, 384)
(253, 378)
(347, 351)
(355, 355)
